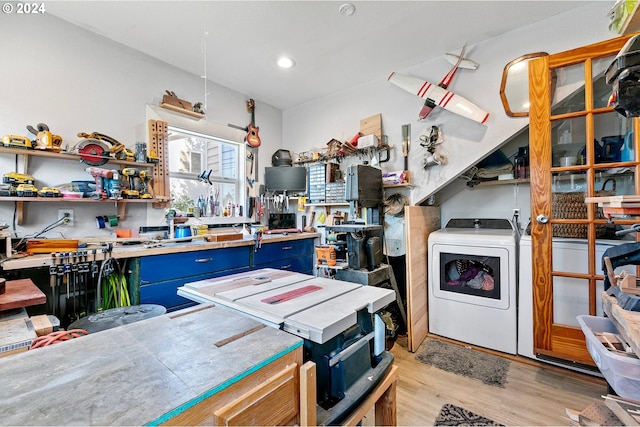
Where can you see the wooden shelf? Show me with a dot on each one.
(326, 204)
(403, 185)
(182, 110)
(83, 200)
(502, 182)
(121, 203)
(67, 156)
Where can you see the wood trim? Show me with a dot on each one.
(562, 341)
(420, 221)
(269, 403)
(204, 412)
(308, 394)
(383, 398)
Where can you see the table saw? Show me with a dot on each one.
(343, 333)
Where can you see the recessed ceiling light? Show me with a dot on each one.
(347, 9)
(285, 62)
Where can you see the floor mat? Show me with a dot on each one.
(465, 361)
(452, 415)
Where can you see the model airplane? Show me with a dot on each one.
(438, 95)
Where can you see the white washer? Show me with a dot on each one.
(464, 255)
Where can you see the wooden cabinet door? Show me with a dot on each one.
(420, 221)
(572, 138)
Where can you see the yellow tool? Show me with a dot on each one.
(144, 185)
(45, 140)
(15, 178)
(17, 141)
(131, 192)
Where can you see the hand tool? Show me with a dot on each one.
(52, 280)
(406, 139)
(60, 279)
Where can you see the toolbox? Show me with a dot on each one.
(621, 372)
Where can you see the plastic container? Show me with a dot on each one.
(621, 372)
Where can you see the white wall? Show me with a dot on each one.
(466, 142)
(76, 81)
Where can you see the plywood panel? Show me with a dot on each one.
(420, 221)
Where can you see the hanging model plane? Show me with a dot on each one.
(438, 95)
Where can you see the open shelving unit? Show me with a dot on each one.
(27, 153)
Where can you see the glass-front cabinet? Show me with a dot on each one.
(579, 147)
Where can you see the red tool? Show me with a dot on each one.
(286, 296)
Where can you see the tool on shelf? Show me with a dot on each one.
(101, 176)
(45, 140)
(131, 174)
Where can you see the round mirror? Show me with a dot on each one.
(514, 88)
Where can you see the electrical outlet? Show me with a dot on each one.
(516, 212)
(66, 214)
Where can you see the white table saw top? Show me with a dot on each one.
(310, 307)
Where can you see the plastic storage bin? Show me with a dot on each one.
(622, 373)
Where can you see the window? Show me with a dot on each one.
(204, 172)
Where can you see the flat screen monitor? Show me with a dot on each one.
(292, 179)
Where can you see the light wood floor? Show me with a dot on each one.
(533, 395)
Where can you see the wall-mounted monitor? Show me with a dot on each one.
(292, 179)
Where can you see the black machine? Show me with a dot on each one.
(281, 158)
(365, 232)
(624, 75)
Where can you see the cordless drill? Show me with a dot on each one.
(144, 185)
(100, 175)
(131, 192)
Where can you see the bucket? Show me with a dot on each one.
(182, 231)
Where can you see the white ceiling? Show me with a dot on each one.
(333, 52)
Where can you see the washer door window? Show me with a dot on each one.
(470, 274)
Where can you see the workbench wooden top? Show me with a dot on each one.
(21, 293)
(137, 374)
(135, 251)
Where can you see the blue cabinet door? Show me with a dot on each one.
(165, 293)
(158, 268)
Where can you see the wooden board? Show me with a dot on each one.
(420, 222)
(21, 293)
(224, 237)
(47, 246)
(372, 126)
(181, 110)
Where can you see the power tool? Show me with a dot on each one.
(94, 151)
(100, 175)
(144, 185)
(17, 141)
(45, 140)
(131, 192)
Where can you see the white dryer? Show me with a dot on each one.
(473, 282)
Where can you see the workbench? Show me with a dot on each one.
(200, 365)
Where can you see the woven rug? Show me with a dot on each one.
(452, 415)
(465, 361)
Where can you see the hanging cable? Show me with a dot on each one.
(21, 244)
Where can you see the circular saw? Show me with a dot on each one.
(93, 151)
(93, 148)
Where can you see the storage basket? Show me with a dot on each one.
(572, 206)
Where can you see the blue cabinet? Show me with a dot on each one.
(291, 255)
(162, 275)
